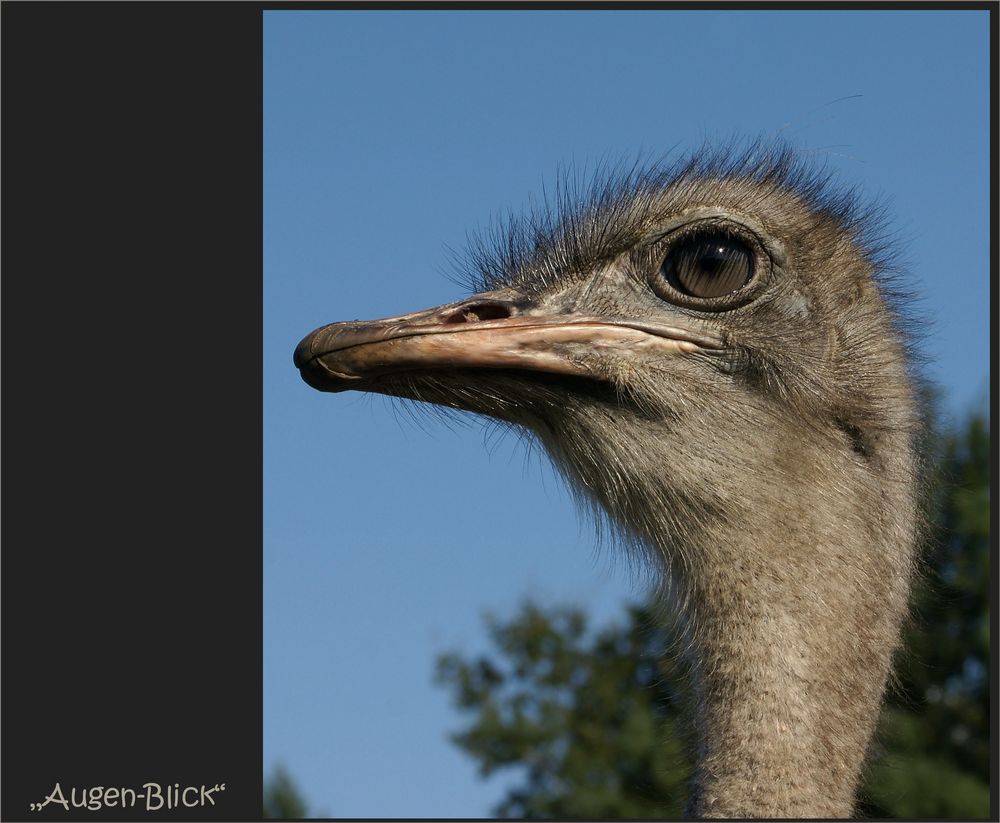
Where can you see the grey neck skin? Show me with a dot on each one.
(789, 570)
(792, 640)
(787, 699)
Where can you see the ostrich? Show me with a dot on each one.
(709, 353)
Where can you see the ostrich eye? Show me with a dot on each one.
(709, 265)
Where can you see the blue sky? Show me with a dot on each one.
(388, 136)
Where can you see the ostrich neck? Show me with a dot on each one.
(791, 647)
(785, 708)
(789, 567)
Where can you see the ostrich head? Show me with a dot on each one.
(708, 356)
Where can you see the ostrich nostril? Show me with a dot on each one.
(475, 312)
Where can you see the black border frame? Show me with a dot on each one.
(132, 570)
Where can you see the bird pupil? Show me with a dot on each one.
(713, 260)
(707, 266)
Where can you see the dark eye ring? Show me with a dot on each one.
(708, 264)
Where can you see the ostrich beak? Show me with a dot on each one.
(481, 332)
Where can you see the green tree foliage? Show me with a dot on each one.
(594, 719)
(282, 798)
